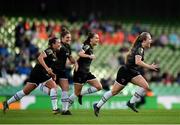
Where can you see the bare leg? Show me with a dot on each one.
(64, 84)
(115, 90)
(77, 92)
(141, 91)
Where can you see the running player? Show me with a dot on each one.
(130, 72)
(42, 73)
(60, 69)
(83, 74)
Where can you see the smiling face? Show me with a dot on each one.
(147, 42)
(66, 39)
(94, 40)
(57, 44)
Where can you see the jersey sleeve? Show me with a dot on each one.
(85, 47)
(139, 51)
(68, 48)
(70, 51)
(48, 52)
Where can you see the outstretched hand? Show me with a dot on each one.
(53, 75)
(50, 72)
(154, 67)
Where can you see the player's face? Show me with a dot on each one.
(148, 41)
(57, 44)
(67, 39)
(95, 40)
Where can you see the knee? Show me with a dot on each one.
(26, 92)
(64, 86)
(99, 87)
(114, 92)
(53, 90)
(77, 93)
(146, 88)
(52, 85)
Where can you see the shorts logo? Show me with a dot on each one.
(79, 79)
(54, 60)
(123, 80)
(67, 54)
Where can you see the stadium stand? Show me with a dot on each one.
(22, 38)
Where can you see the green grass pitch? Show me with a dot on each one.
(88, 117)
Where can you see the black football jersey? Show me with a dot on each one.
(84, 63)
(62, 55)
(130, 59)
(50, 60)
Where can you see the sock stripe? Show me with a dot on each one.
(89, 90)
(65, 100)
(70, 101)
(104, 99)
(41, 87)
(16, 97)
(137, 95)
(54, 96)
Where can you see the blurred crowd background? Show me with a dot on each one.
(25, 33)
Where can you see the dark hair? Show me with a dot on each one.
(52, 41)
(64, 32)
(140, 38)
(90, 36)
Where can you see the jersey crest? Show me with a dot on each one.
(49, 51)
(86, 47)
(140, 51)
